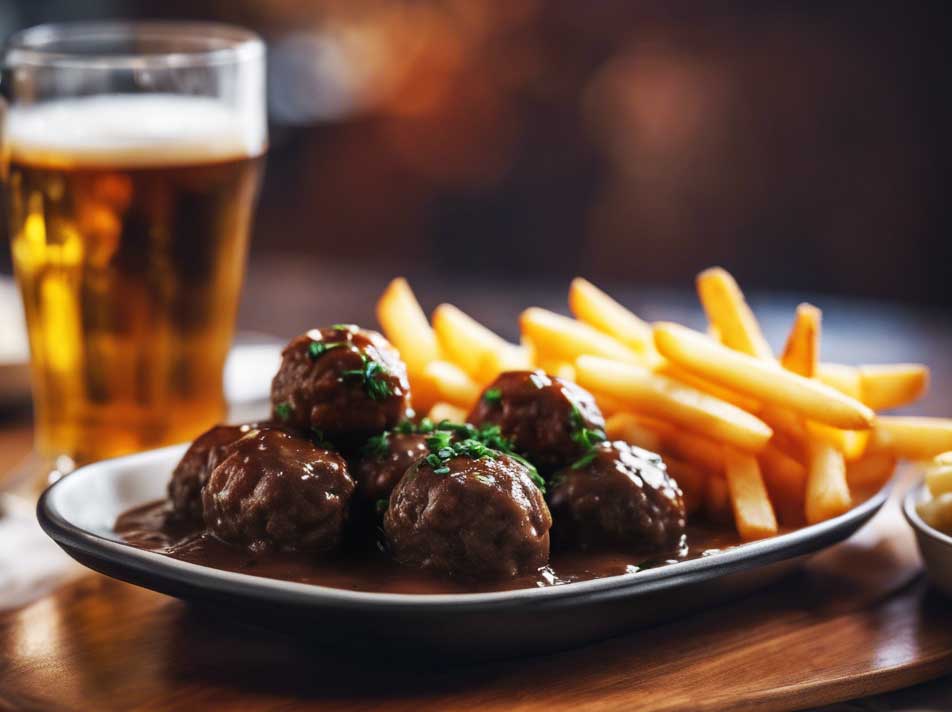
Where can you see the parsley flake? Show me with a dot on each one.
(283, 411)
(316, 349)
(493, 396)
(373, 376)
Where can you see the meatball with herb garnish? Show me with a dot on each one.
(468, 511)
(193, 470)
(277, 491)
(343, 382)
(384, 459)
(550, 421)
(617, 495)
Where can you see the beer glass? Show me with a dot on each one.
(131, 154)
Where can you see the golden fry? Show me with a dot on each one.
(560, 338)
(760, 379)
(828, 494)
(911, 437)
(845, 379)
(870, 471)
(852, 443)
(446, 411)
(786, 480)
(405, 325)
(666, 368)
(729, 314)
(626, 427)
(893, 385)
(802, 352)
(592, 306)
(452, 384)
(753, 513)
(660, 397)
(474, 348)
(691, 479)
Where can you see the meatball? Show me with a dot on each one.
(547, 419)
(384, 461)
(277, 491)
(190, 475)
(342, 382)
(618, 494)
(475, 518)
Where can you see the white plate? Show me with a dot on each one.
(80, 511)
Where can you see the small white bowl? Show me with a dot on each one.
(935, 546)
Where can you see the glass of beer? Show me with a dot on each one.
(131, 157)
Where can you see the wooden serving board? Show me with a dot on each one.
(858, 619)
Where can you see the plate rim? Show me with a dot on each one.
(805, 540)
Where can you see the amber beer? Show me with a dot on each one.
(129, 220)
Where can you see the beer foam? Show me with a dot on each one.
(132, 129)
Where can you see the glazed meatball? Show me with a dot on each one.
(190, 475)
(384, 460)
(483, 518)
(342, 382)
(277, 491)
(544, 417)
(617, 494)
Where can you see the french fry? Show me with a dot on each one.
(717, 501)
(452, 384)
(786, 481)
(625, 426)
(845, 379)
(892, 385)
(870, 471)
(802, 352)
(828, 493)
(660, 397)
(560, 338)
(666, 368)
(759, 379)
(691, 479)
(729, 314)
(753, 513)
(446, 411)
(693, 448)
(911, 437)
(423, 391)
(592, 306)
(790, 433)
(478, 351)
(852, 443)
(405, 325)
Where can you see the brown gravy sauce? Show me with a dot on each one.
(367, 567)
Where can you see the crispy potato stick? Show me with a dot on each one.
(893, 385)
(870, 471)
(625, 426)
(405, 325)
(786, 481)
(609, 405)
(592, 306)
(845, 379)
(561, 338)
(753, 514)
(911, 437)
(728, 313)
(693, 448)
(692, 481)
(452, 384)
(759, 379)
(939, 474)
(660, 397)
(473, 347)
(852, 443)
(423, 391)
(446, 411)
(717, 501)
(828, 494)
(666, 368)
(790, 433)
(802, 352)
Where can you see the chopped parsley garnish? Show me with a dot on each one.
(377, 446)
(492, 395)
(318, 438)
(316, 349)
(344, 327)
(586, 438)
(283, 411)
(373, 376)
(382, 505)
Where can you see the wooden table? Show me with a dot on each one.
(859, 619)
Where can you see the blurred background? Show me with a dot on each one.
(797, 144)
